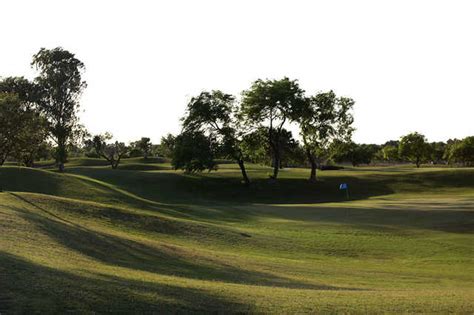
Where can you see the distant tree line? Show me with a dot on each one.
(38, 121)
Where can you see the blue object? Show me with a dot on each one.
(343, 186)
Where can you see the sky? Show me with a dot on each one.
(409, 65)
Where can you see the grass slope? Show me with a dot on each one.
(144, 238)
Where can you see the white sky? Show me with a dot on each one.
(409, 65)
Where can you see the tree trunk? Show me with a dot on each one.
(417, 162)
(244, 172)
(276, 165)
(61, 154)
(114, 164)
(314, 165)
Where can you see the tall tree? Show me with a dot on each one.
(323, 119)
(272, 102)
(414, 148)
(215, 113)
(60, 82)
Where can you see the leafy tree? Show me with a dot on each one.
(112, 152)
(414, 148)
(437, 152)
(143, 146)
(166, 145)
(27, 92)
(11, 116)
(193, 151)
(323, 119)
(31, 140)
(215, 113)
(60, 83)
(355, 153)
(256, 148)
(390, 153)
(274, 102)
(460, 151)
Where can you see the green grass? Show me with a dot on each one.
(144, 238)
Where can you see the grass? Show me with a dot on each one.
(145, 238)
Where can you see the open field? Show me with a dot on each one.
(146, 238)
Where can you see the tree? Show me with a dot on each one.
(437, 150)
(355, 153)
(390, 153)
(193, 151)
(27, 92)
(166, 145)
(11, 116)
(215, 113)
(60, 83)
(256, 148)
(323, 119)
(414, 148)
(460, 151)
(31, 140)
(143, 146)
(274, 102)
(112, 152)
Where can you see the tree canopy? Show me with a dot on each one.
(60, 86)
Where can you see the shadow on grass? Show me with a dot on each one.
(225, 187)
(424, 214)
(28, 287)
(163, 259)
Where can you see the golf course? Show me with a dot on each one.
(146, 238)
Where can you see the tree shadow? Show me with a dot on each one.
(29, 287)
(178, 188)
(429, 215)
(162, 259)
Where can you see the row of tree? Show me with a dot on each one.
(217, 124)
(38, 119)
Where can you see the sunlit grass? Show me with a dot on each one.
(145, 238)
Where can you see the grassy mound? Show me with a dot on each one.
(150, 239)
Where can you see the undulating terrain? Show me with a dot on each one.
(145, 238)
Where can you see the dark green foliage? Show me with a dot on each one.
(257, 149)
(390, 153)
(272, 102)
(194, 152)
(60, 83)
(437, 150)
(142, 147)
(414, 148)
(166, 146)
(323, 119)
(11, 116)
(23, 130)
(354, 153)
(460, 151)
(28, 92)
(214, 113)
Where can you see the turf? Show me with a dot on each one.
(144, 238)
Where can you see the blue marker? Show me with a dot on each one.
(345, 187)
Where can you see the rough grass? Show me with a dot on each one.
(147, 239)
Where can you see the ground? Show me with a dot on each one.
(145, 238)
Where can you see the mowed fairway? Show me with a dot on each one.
(144, 238)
